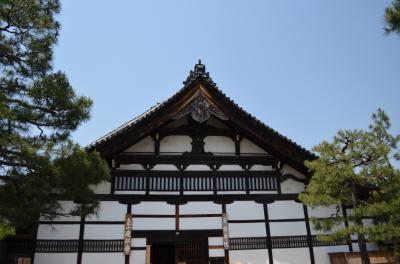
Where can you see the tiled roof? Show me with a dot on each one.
(197, 73)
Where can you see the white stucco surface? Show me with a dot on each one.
(219, 144)
(59, 258)
(153, 208)
(247, 230)
(176, 144)
(292, 186)
(285, 209)
(288, 228)
(58, 232)
(246, 146)
(291, 256)
(103, 231)
(109, 211)
(256, 256)
(198, 223)
(145, 145)
(241, 210)
(200, 208)
(106, 258)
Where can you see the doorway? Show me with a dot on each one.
(163, 253)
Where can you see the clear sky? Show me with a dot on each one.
(305, 68)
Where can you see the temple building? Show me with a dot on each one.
(195, 179)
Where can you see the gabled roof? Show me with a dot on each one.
(200, 82)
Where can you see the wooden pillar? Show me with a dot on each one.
(34, 240)
(226, 251)
(177, 218)
(128, 211)
(309, 238)
(346, 224)
(268, 231)
(80, 241)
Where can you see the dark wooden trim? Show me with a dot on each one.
(268, 233)
(81, 241)
(346, 224)
(249, 221)
(34, 240)
(183, 160)
(168, 234)
(215, 247)
(309, 238)
(177, 217)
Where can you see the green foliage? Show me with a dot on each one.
(355, 170)
(38, 111)
(392, 17)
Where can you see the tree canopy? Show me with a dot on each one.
(39, 163)
(355, 170)
(392, 17)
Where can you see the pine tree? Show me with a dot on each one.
(392, 17)
(356, 170)
(39, 164)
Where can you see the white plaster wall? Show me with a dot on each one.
(230, 168)
(291, 256)
(52, 258)
(219, 144)
(292, 186)
(138, 242)
(109, 211)
(137, 257)
(243, 210)
(246, 146)
(200, 208)
(153, 208)
(255, 256)
(215, 241)
(285, 209)
(246, 230)
(167, 167)
(287, 228)
(286, 169)
(101, 188)
(216, 253)
(106, 258)
(321, 253)
(66, 206)
(130, 167)
(321, 211)
(200, 223)
(58, 232)
(144, 145)
(176, 144)
(261, 168)
(103, 231)
(198, 168)
(153, 223)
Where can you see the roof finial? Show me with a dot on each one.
(200, 68)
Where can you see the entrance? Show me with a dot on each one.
(163, 253)
(180, 251)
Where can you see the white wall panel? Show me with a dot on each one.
(137, 257)
(215, 241)
(246, 230)
(288, 228)
(261, 168)
(58, 232)
(291, 256)
(246, 146)
(286, 169)
(285, 209)
(109, 211)
(176, 144)
(167, 167)
(153, 223)
(230, 168)
(130, 167)
(219, 144)
(292, 186)
(216, 253)
(321, 253)
(97, 258)
(145, 145)
(200, 208)
(138, 242)
(58, 258)
(255, 256)
(241, 210)
(101, 188)
(321, 211)
(66, 206)
(200, 223)
(198, 168)
(104, 231)
(153, 208)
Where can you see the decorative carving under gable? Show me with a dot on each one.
(200, 110)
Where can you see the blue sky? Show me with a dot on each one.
(306, 68)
